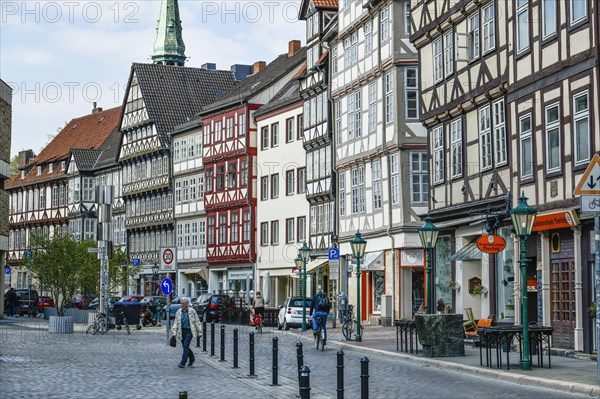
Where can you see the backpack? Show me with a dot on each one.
(322, 303)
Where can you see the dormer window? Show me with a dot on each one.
(50, 168)
(22, 174)
(39, 170)
(63, 165)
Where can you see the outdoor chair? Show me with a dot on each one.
(470, 324)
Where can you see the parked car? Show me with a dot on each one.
(290, 314)
(44, 302)
(201, 303)
(26, 299)
(95, 304)
(174, 306)
(131, 298)
(218, 305)
(153, 302)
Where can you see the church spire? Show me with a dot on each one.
(169, 48)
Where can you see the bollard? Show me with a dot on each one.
(235, 348)
(204, 336)
(364, 377)
(340, 374)
(275, 361)
(222, 343)
(183, 395)
(299, 356)
(212, 338)
(304, 382)
(251, 354)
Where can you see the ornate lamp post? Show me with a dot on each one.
(301, 261)
(523, 217)
(155, 270)
(358, 250)
(429, 234)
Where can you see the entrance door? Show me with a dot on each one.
(418, 290)
(563, 303)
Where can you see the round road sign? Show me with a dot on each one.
(167, 256)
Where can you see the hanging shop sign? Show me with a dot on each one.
(491, 244)
(556, 220)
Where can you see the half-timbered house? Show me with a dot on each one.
(380, 155)
(321, 27)
(230, 143)
(39, 192)
(5, 173)
(281, 207)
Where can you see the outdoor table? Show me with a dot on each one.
(406, 332)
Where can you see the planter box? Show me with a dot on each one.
(60, 325)
(441, 335)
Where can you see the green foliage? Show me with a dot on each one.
(119, 271)
(64, 267)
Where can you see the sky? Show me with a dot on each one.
(62, 56)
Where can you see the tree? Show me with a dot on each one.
(14, 165)
(64, 267)
(119, 271)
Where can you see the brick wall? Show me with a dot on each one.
(5, 139)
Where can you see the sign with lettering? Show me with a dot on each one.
(556, 220)
(491, 244)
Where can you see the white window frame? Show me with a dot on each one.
(411, 87)
(389, 96)
(395, 176)
(525, 136)
(290, 182)
(342, 193)
(264, 234)
(449, 53)
(523, 38)
(500, 145)
(419, 177)
(407, 27)
(368, 37)
(552, 126)
(438, 62)
(578, 117)
(485, 137)
(377, 188)
(549, 11)
(438, 154)
(474, 37)
(354, 115)
(384, 16)
(337, 106)
(489, 27)
(372, 106)
(572, 18)
(456, 145)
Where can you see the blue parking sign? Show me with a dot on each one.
(333, 253)
(136, 261)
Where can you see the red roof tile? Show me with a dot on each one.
(326, 3)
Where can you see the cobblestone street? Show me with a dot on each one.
(35, 364)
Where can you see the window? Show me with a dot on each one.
(244, 173)
(88, 189)
(489, 28)
(218, 130)
(389, 97)
(275, 232)
(301, 180)
(334, 61)
(500, 133)
(358, 189)
(290, 182)
(411, 102)
(194, 234)
(342, 193)
(438, 64)
(368, 38)
(526, 166)
(264, 233)
(474, 37)
(552, 138)
(220, 183)
(384, 16)
(231, 174)
(449, 53)
(407, 17)
(419, 187)
(242, 125)
(548, 18)
(235, 227)
(222, 228)
(578, 10)
(76, 192)
(351, 50)
(522, 26)
(290, 231)
(290, 131)
(456, 149)
(300, 130)
(264, 188)
(229, 128)
(265, 138)
(247, 223)
(395, 175)
(372, 106)
(275, 135)
(377, 190)
(354, 115)
(301, 222)
(485, 139)
(581, 125)
(438, 154)
(275, 185)
(199, 146)
(54, 192)
(208, 179)
(337, 106)
(206, 129)
(50, 167)
(211, 230)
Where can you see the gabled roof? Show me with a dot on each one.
(85, 159)
(254, 84)
(110, 151)
(173, 94)
(323, 4)
(289, 94)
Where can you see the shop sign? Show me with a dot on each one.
(239, 274)
(491, 244)
(556, 220)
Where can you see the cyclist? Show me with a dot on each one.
(258, 303)
(319, 307)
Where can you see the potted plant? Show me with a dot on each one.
(454, 285)
(592, 310)
(477, 290)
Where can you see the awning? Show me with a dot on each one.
(372, 261)
(468, 252)
(313, 264)
(192, 270)
(287, 271)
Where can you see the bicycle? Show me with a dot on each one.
(29, 310)
(348, 326)
(122, 314)
(97, 325)
(320, 339)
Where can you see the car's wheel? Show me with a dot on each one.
(285, 325)
(137, 327)
(279, 326)
(118, 327)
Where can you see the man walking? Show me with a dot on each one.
(186, 327)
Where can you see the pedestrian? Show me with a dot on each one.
(186, 327)
(319, 307)
(12, 299)
(258, 303)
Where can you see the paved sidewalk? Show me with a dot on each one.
(566, 374)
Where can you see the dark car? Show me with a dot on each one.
(220, 306)
(25, 300)
(94, 305)
(174, 306)
(201, 304)
(131, 298)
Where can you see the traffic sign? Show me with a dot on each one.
(7, 270)
(590, 203)
(166, 286)
(167, 259)
(590, 181)
(334, 266)
(333, 253)
(92, 250)
(136, 262)
(28, 254)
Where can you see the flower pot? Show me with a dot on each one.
(60, 325)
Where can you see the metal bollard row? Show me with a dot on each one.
(275, 361)
(222, 343)
(251, 355)
(235, 348)
(212, 338)
(204, 336)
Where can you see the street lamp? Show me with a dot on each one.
(429, 234)
(155, 270)
(523, 217)
(301, 261)
(358, 250)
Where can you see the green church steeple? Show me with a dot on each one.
(169, 48)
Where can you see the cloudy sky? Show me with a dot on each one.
(61, 56)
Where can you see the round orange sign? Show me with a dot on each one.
(491, 244)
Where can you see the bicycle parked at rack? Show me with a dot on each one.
(29, 310)
(320, 337)
(349, 324)
(98, 326)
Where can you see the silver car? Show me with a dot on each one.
(290, 314)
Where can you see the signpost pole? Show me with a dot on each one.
(597, 263)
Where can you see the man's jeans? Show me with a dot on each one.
(186, 339)
(322, 314)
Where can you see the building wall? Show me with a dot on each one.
(5, 140)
